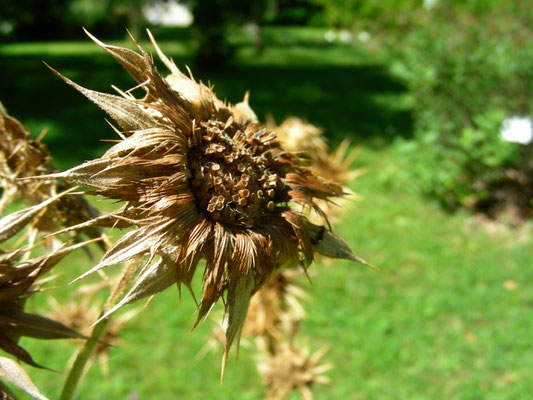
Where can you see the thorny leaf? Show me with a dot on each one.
(13, 223)
(13, 373)
(10, 347)
(155, 279)
(128, 246)
(127, 113)
(237, 308)
(18, 323)
(17, 280)
(329, 244)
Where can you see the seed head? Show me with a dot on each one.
(200, 179)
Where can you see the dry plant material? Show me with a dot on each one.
(275, 312)
(20, 271)
(22, 157)
(19, 279)
(299, 136)
(303, 137)
(291, 368)
(13, 373)
(201, 180)
(336, 167)
(81, 311)
(276, 306)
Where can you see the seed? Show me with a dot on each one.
(215, 167)
(270, 205)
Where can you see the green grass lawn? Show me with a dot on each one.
(442, 319)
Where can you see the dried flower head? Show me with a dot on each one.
(21, 157)
(299, 136)
(201, 180)
(303, 137)
(291, 368)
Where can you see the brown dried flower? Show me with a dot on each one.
(303, 137)
(299, 136)
(200, 180)
(21, 157)
(291, 368)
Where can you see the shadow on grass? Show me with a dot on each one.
(341, 99)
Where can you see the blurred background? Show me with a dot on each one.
(436, 93)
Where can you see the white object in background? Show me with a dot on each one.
(330, 36)
(517, 130)
(345, 36)
(168, 13)
(429, 4)
(363, 36)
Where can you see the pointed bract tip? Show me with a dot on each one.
(223, 366)
(93, 38)
(329, 244)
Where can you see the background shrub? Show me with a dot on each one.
(467, 67)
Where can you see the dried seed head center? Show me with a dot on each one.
(232, 176)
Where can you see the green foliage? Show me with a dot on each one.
(459, 169)
(467, 70)
(351, 13)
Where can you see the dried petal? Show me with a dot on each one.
(155, 279)
(236, 309)
(13, 373)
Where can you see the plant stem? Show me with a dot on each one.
(85, 353)
(99, 329)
